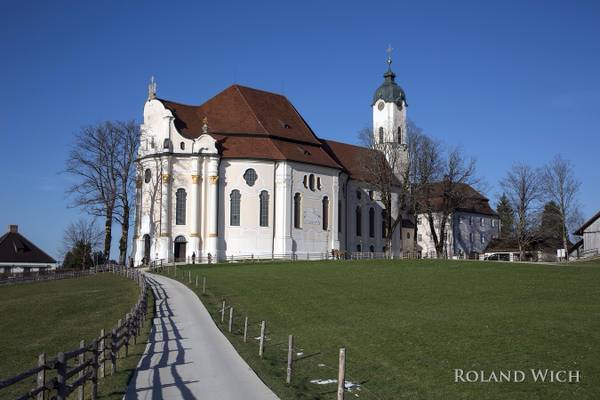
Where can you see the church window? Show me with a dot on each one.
(167, 144)
(470, 220)
(234, 208)
(305, 181)
(358, 221)
(297, 210)
(471, 237)
(311, 182)
(372, 249)
(419, 237)
(399, 134)
(482, 238)
(371, 195)
(480, 221)
(180, 201)
(493, 223)
(250, 176)
(380, 135)
(384, 222)
(325, 213)
(147, 175)
(318, 183)
(264, 208)
(358, 194)
(182, 145)
(371, 222)
(359, 248)
(408, 235)
(339, 216)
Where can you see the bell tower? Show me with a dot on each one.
(389, 110)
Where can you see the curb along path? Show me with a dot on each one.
(187, 356)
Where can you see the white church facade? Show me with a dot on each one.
(243, 175)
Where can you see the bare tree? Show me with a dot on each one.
(385, 168)
(560, 186)
(441, 183)
(524, 191)
(80, 239)
(93, 160)
(128, 136)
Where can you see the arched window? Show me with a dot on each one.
(234, 208)
(297, 211)
(264, 208)
(339, 216)
(384, 224)
(325, 213)
(180, 200)
(380, 135)
(318, 183)
(371, 222)
(358, 194)
(358, 221)
(372, 249)
(147, 175)
(250, 176)
(359, 248)
(399, 134)
(305, 181)
(311, 182)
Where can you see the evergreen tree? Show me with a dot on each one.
(507, 217)
(551, 225)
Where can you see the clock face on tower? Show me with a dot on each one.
(380, 105)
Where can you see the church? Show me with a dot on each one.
(243, 175)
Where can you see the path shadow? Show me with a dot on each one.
(166, 333)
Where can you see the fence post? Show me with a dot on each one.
(61, 387)
(196, 281)
(127, 333)
(261, 344)
(230, 319)
(341, 375)
(223, 312)
(290, 358)
(245, 329)
(101, 355)
(203, 285)
(95, 367)
(81, 360)
(189, 277)
(41, 376)
(113, 351)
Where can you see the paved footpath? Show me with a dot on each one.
(187, 356)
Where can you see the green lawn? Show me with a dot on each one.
(407, 325)
(54, 316)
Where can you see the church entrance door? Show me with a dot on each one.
(146, 249)
(180, 244)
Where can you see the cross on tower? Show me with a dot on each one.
(389, 51)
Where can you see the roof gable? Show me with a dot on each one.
(15, 248)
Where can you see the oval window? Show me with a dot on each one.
(250, 177)
(182, 145)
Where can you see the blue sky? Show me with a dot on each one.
(509, 81)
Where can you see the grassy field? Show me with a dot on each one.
(407, 325)
(54, 316)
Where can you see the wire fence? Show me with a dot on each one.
(70, 371)
(318, 370)
(56, 274)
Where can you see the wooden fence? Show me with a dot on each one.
(7, 279)
(70, 371)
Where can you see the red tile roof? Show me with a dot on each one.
(472, 200)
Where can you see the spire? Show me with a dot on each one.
(389, 75)
(152, 89)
